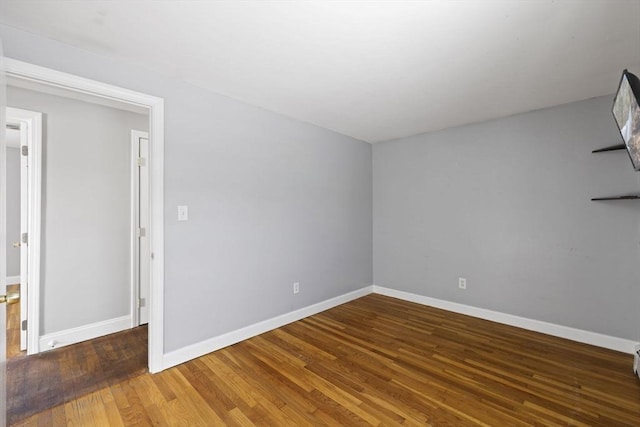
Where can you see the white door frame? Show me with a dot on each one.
(30, 123)
(23, 161)
(139, 221)
(3, 245)
(155, 106)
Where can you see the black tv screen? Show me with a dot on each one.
(626, 111)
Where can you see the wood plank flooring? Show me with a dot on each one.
(375, 361)
(49, 379)
(13, 327)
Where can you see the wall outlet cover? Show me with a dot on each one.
(183, 213)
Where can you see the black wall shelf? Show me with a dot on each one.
(627, 197)
(630, 197)
(612, 148)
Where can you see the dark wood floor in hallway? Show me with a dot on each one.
(372, 361)
(49, 379)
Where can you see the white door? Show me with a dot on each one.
(24, 232)
(30, 125)
(3, 249)
(140, 209)
(15, 136)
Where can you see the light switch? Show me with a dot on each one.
(183, 213)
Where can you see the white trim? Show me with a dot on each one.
(26, 187)
(193, 351)
(31, 122)
(13, 280)
(3, 214)
(579, 335)
(83, 333)
(156, 236)
(135, 263)
(155, 106)
(39, 87)
(48, 76)
(3, 244)
(139, 218)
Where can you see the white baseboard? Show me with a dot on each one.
(13, 280)
(587, 337)
(193, 351)
(83, 333)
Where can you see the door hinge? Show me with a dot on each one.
(141, 302)
(25, 150)
(25, 238)
(141, 232)
(23, 326)
(141, 161)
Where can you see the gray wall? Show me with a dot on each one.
(271, 200)
(86, 206)
(506, 204)
(13, 211)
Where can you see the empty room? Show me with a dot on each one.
(302, 213)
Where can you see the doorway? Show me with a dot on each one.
(16, 342)
(23, 152)
(30, 389)
(23, 72)
(22, 203)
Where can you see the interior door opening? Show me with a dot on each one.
(91, 234)
(135, 174)
(16, 314)
(23, 132)
(22, 203)
(23, 74)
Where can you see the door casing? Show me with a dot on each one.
(15, 69)
(30, 123)
(139, 221)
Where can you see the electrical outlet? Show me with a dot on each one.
(462, 283)
(296, 287)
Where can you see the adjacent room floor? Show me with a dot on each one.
(52, 378)
(373, 361)
(13, 326)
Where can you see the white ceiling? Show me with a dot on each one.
(374, 70)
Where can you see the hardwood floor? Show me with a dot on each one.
(376, 361)
(49, 379)
(13, 327)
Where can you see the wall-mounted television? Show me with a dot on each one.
(626, 111)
